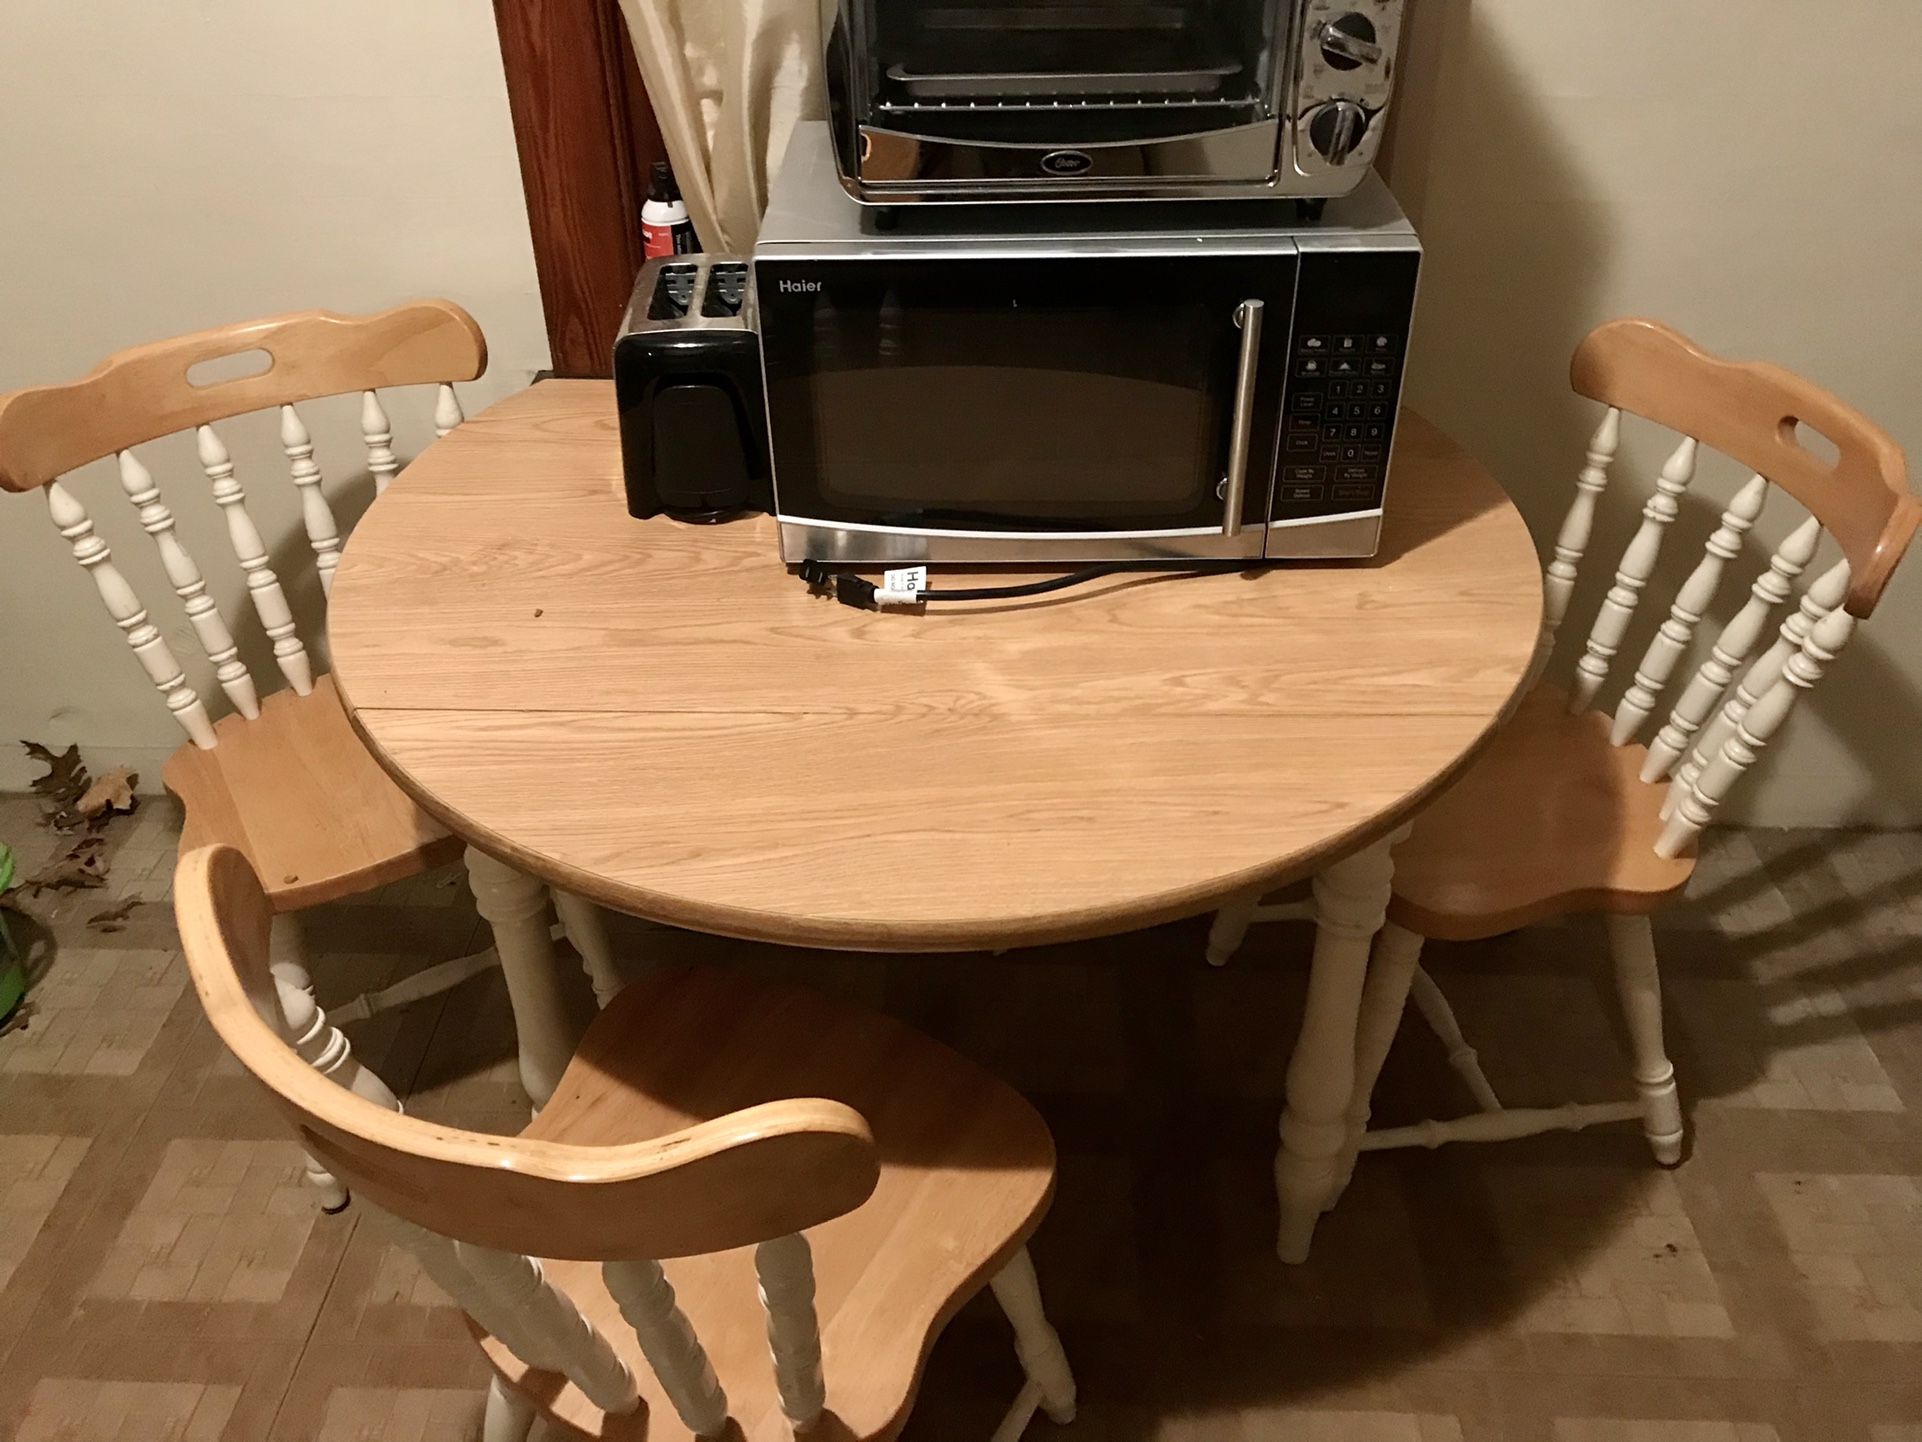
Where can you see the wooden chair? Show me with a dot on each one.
(1567, 811)
(283, 778)
(704, 1115)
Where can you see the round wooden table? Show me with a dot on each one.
(660, 718)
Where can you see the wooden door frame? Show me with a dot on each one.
(587, 139)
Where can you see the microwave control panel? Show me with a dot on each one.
(1345, 366)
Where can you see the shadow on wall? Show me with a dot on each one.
(1523, 249)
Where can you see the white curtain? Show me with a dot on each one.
(728, 79)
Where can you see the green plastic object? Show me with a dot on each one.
(13, 979)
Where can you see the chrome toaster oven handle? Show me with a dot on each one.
(1235, 486)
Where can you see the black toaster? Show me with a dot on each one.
(687, 378)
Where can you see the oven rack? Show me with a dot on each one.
(948, 105)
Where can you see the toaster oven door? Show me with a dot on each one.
(1062, 91)
(1004, 409)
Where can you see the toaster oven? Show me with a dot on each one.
(1064, 99)
(1078, 383)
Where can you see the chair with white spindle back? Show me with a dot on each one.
(826, 1186)
(1566, 812)
(283, 778)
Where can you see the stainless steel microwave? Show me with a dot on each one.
(1078, 383)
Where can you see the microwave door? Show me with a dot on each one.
(1099, 408)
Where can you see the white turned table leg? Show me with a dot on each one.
(1351, 902)
(1390, 973)
(515, 906)
(510, 1414)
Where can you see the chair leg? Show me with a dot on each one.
(515, 906)
(1230, 928)
(287, 951)
(510, 1414)
(1631, 944)
(1383, 998)
(586, 928)
(1036, 1342)
(1440, 1017)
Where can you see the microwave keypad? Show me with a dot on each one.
(1340, 421)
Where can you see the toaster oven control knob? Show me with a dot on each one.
(1348, 42)
(1337, 129)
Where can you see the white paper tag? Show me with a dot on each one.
(913, 579)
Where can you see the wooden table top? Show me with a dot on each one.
(662, 718)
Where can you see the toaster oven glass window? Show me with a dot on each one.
(1024, 413)
(1061, 71)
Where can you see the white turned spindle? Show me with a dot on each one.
(1761, 721)
(1731, 649)
(1685, 614)
(209, 625)
(553, 1336)
(642, 1292)
(1036, 1342)
(323, 532)
(1508, 1125)
(270, 602)
(1440, 1017)
(149, 646)
(1558, 584)
(379, 434)
(785, 1267)
(321, 1044)
(447, 411)
(1821, 598)
(1637, 565)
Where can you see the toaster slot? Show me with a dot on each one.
(726, 288)
(673, 292)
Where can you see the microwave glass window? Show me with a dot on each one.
(1029, 413)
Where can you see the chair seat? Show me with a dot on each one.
(1550, 819)
(967, 1171)
(298, 793)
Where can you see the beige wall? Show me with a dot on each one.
(1750, 173)
(169, 167)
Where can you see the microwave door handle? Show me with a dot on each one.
(1248, 317)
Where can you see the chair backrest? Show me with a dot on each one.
(477, 1209)
(1756, 414)
(139, 395)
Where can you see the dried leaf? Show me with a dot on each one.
(66, 777)
(114, 918)
(84, 865)
(110, 793)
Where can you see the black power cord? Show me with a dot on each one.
(858, 591)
